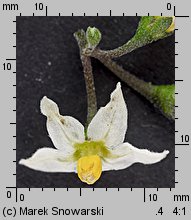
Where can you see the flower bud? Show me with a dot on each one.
(93, 36)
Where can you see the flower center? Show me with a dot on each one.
(89, 169)
(88, 148)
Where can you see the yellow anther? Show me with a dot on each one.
(89, 169)
(172, 26)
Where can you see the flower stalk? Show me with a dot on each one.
(161, 96)
(137, 84)
(90, 88)
(150, 28)
(88, 75)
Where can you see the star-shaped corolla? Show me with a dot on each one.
(102, 149)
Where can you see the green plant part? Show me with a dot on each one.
(161, 96)
(164, 98)
(150, 28)
(90, 148)
(172, 26)
(93, 36)
(80, 37)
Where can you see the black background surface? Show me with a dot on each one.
(48, 64)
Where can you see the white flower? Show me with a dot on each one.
(102, 150)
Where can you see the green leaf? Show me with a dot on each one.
(163, 96)
(93, 36)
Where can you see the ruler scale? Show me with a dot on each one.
(20, 203)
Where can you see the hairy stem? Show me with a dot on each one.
(161, 96)
(139, 85)
(150, 29)
(90, 88)
(88, 76)
(122, 50)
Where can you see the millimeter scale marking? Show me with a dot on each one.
(17, 194)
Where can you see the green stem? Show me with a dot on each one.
(161, 96)
(150, 29)
(90, 88)
(88, 76)
(137, 84)
(122, 50)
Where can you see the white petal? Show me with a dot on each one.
(64, 131)
(110, 122)
(128, 155)
(49, 160)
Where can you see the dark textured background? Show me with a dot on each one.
(48, 64)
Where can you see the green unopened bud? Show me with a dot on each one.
(172, 26)
(93, 36)
(150, 28)
(80, 36)
(164, 98)
(153, 28)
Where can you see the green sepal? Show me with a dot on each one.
(163, 96)
(152, 28)
(80, 36)
(88, 148)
